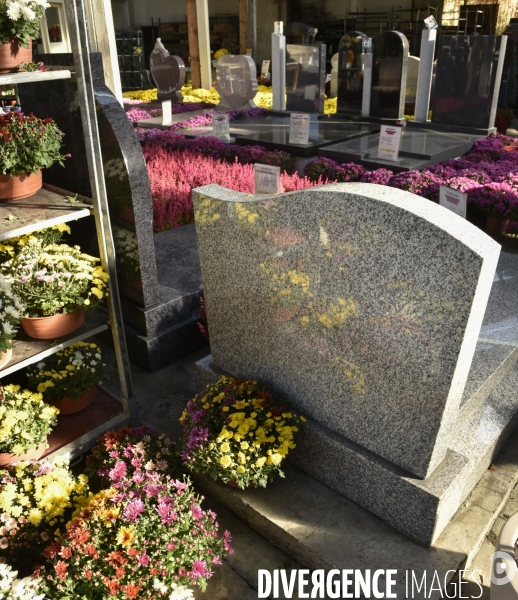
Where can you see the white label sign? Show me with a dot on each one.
(390, 139)
(265, 67)
(167, 114)
(453, 200)
(299, 128)
(220, 125)
(267, 179)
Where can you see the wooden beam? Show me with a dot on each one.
(194, 47)
(243, 26)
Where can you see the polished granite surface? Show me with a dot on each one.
(419, 149)
(350, 73)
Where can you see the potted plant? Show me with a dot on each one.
(36, 502)
(238, 433)
(144, 537)
(19, 24)
(56, 284)
(25, 423)
(498, 201)
(50, 235)
(67, 379)
(28, 145)
(11, 310)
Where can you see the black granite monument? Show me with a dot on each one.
(350, 73)
(305, 77)
(389, 73)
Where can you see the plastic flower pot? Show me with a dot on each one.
(19, 186)
(35, 453)
(504, 570)
(50, 328)
(12, 54)
(69, 406)
(5, 357)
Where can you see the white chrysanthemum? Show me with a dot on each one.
(14, 11)
(28, 13)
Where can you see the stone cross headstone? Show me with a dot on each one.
(305, 77)
(389, 75)
(350, 73)
(168, 72)
(381, 358)
(469, 70)
(236, 81)
(278, 68)
(424, 81)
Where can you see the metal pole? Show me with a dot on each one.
(81, 51)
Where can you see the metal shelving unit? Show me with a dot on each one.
(47, 208)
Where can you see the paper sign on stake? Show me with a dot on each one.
(220, 126)
(167, 113)
(390, 140)
(267, 179)
(453, 200)
(299, 128)
(265, 67)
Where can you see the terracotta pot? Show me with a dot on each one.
(5, 357)
(12, 54)
(510, 148)
(233, 483)
(7, 459)
(69, 406)
(496, 225)
(19, 186)
(50, 328)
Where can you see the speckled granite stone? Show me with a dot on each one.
(359, 303)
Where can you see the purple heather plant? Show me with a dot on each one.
(379, 176)
(495, 200)
(330, 170)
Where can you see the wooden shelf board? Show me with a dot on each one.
(77, 433)
(33, 77)
(44, 209)
(27, 350)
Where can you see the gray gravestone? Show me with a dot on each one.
(361, 305)
(411, 79)
(305, 77)
(469, 70)
(424, 81)
(168, 72)
(350, 73)
(236, 81)
(389, 75)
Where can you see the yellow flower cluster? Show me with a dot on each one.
(200, 95)
(43, 495)
(25, 420)
(37, 239)
(221, 52)
(144, 95)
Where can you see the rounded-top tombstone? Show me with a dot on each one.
(168, 73)
(350, 73)
(236, 81)
(389, 75)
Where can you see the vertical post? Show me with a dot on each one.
(424, 78)
(194, 51)
(202, 9)
(252, 27)
(101, 35)
(278, 67)
(243, 26)
(367, 84)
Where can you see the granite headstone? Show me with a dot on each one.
(278, 67)
(305, 77)
(389, 75)
(350, 73)
(469, 70)
(236, 81)
(168, 73)
(424, 81)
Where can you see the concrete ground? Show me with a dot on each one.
(160, 397)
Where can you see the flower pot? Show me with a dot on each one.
(50, 328)
(5, 357)
(69, 406)
(496, 225)
(233, 483)
(19, 186)
(504, 571)
(35, 453)
(12, 54)
(510, 148)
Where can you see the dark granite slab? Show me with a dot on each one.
(419, 149)
(322, 133)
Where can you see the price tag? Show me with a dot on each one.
(390, 140)
(265, 67)
(267, 179)
(431, 23)
(220, 126)
(299, 128)
(453, 200)
(167, 113)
